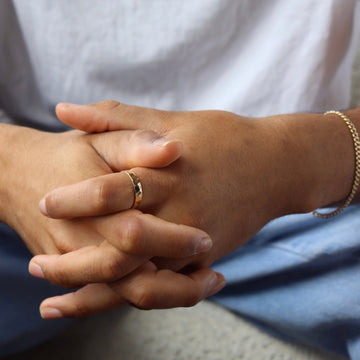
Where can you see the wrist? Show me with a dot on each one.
(15, 149)
(6, 144)
(320, 158)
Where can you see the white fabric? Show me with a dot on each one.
(253, 57)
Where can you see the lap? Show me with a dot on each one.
(299, 279)
(20, 322)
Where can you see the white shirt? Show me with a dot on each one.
(252, 57)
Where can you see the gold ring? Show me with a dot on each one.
(138, 192)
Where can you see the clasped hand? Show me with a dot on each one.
(220, 186)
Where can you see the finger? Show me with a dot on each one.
(91, 264)
(106, 194)
(86, 301)
(127, 149)
(143, 234)
(162, 289)
(109, 115)
(96, 196)
(147, 288)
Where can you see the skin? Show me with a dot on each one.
(33, 162)
(235, 175)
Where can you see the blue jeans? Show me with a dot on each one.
(299, 278)
(20, 323)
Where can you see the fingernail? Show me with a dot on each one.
(203, 245)
(215, 284)
(42, 207)
(164, 142)
(35, 270)
(51, 313)
(67, 105)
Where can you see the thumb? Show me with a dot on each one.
(127, 149)
(109, 115)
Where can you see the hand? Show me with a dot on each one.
(228, 182)
(282, 165)
(34, 162)
(224, 183)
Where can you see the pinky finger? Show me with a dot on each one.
(145, 288)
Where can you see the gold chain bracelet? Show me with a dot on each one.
(355, 185)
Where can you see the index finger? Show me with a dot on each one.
(107, 194)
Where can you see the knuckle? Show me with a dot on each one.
(113, 269)
(58, 275)
(103, 193)
(192, 299)
(143, 134)
(108, 104)
(143, 298)
(52, 205)
(63, 239)
(81, 308)
(132, 235)
(63, 247)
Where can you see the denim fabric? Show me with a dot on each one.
(20, 323)
(299, 278)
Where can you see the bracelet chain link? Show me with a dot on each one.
(356, 182)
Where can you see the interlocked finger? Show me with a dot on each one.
(143, 234)
(146, 288)
(105, 195)
(133, 238)
(90, 264)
